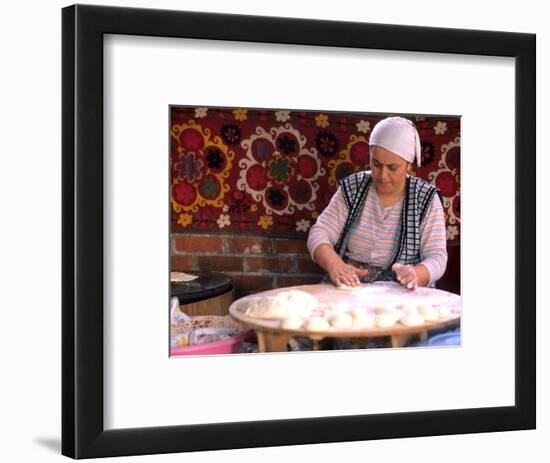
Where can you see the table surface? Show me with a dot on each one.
(367, 295)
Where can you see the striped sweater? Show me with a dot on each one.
(373, 239)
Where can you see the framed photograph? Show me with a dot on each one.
(200, 149)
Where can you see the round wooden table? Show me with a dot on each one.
(273, 338)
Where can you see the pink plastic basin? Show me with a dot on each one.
(231, 345)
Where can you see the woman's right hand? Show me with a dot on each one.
(341, 273)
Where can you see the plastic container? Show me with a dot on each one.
(451, 338)
(231, 345)
(445, 339)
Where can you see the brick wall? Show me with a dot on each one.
(254, 263)
(258, 263)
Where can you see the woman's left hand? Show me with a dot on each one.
(406, 275)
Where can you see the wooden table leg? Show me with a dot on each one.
(261, 341)
(400, 340)
(272, 342)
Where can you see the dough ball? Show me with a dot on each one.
(332, 310)
(345, 287)
(341, 320)
(336, 307)
(410, 309)
(317, 324)
(384, 308)
(370, 310)
(363, 320)
(397, 314)
(412, 320)
(385, 320)
(292, 323)
(320, 313)
(443, 312)
(300, 302)
(428, 313)
(358, 311)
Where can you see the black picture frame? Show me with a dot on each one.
(83, 433)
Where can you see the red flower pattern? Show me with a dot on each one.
(300, 192)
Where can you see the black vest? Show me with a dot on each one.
(418, 196)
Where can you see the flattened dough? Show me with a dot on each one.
(348, 288)
(179, 277)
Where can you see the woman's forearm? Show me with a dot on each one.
(422, 274)
(326, 257)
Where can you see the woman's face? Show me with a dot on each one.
(388, 170)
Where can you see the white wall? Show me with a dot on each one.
(31, 213)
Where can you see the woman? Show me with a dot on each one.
(383, 224)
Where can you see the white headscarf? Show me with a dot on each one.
(399, 136)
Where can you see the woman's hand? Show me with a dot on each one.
(406, 275)
(344, 274)
(339, 272)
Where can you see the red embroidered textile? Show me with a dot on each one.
(260, 171)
